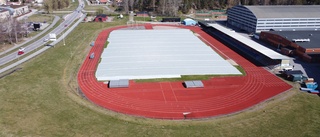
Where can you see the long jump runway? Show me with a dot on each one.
(169, 100)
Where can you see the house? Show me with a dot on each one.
(94, 1)
(103, 1)
(19, 10)
(101, 18)
(15, 10)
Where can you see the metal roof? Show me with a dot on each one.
(194, 84)
(149, 54)
(286, 11)
(123, 83)
(250, 43)
(313, 36)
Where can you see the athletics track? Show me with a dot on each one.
(169, 100)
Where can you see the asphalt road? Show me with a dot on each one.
(68, 20)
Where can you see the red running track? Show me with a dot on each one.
(169, 100)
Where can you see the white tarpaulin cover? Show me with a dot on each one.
(148, 54)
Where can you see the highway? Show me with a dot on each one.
(68, 20)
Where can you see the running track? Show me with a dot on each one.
(168, 100)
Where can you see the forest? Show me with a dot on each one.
(173, 7)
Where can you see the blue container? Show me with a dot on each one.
(312, 85)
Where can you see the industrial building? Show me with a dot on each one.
(255, 19)
(304, 44)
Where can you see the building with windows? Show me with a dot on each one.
(14, 10)
(279, 18)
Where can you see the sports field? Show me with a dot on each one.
(41, 100)
(220, 95)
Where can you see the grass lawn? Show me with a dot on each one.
(40, 18)
(41, 100)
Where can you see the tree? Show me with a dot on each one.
(47, 4)
(50, 5)
(99, 11)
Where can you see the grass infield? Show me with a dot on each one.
(41, 100)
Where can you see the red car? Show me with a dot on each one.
(21, 51)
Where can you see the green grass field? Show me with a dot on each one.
(40, 18)
(42, 100)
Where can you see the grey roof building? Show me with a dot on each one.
(279, 18)
(305, 39)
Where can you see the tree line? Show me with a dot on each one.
(11, 30)
(173, 7)
(51, 5)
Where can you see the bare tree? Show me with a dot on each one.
(126, 6)
(131, 6)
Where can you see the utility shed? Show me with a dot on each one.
(193, 84)
(119, 83)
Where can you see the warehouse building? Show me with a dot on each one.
(255, 19)
(304, 44)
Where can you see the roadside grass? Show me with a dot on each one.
(40, 18)
(94, 8)
(72, 6)
(42, 100)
